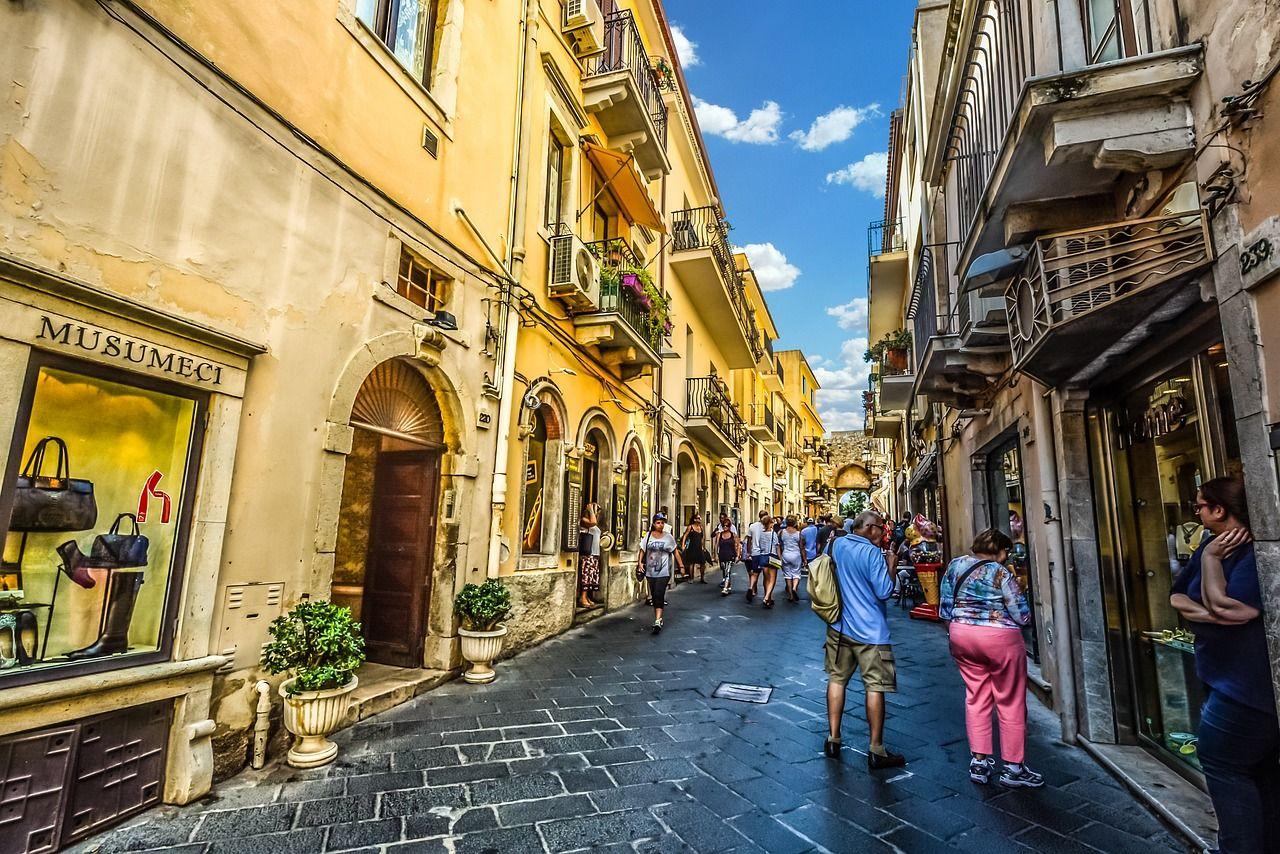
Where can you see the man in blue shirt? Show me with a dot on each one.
(809, 536)
(860, 640)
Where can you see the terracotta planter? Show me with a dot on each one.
(311, 717)
(481, 648)
(895, 359)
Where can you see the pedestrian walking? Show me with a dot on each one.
(765, 557)
(860, 640)
(794, 559)
(1238, 738)
(693, 546)
(809, 534)
(588, 556)
(728, 549)
(658, 554)
(986, 609)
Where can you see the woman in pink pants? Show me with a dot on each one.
(986, 609)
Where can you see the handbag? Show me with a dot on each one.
(114, 550)
(775, 562)
(58, 503)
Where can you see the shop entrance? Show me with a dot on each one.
(390, 495)
(1005, 494)
(1152, 446)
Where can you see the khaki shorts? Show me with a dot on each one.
(875, 661)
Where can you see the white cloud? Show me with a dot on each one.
(686, 49)
(867, 174)
(850, 315)
(835, 126)
(773, 271)
(840, 395)
(760, 127)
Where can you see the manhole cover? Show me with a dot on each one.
(742, 693)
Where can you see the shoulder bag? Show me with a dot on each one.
(114, 550)
(57, 503)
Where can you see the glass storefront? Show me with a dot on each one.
(1009, 514)
(96, 499)
(1152, 447)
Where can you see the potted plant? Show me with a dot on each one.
(482, 608)
(893, 350)
(321, 645)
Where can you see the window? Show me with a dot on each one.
(420, 284)
(1116, 28)
(93, 547)
(557, 180)
(407, 28)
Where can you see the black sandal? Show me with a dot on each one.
(768, 603)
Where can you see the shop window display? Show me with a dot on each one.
(95, 496)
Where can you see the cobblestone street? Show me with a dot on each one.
(608, 739)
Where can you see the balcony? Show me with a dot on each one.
(947, 370)
(711, 418)
(886, 277)
(626, 331)
(1084, 293)
(896, 380)
(1037, 144)
(760, 424)
(619, 86)
(704, 261)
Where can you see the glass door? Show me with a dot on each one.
(1152, 451)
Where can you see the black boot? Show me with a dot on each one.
(122, 595)
(74, 564)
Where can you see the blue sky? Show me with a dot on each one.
(794, 97)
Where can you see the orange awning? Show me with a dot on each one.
(628, 187)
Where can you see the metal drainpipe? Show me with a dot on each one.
(515, 267)
(660, 416)
(1046, 460)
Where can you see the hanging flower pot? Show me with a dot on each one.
(632, 281)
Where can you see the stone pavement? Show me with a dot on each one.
(607, 738)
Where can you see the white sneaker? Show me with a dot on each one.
(1023, 778)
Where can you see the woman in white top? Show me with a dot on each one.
(765, 552)
(659, 555)
(793, 558)
(588, 556)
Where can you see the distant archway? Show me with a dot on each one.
(852, 477)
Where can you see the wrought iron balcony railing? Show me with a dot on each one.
(708, 397)
(1001, 55)
(1072, 275)
(704, 228)
(885, 236)
(624, 51)
(614, 255)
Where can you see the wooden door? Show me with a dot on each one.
(402, 535)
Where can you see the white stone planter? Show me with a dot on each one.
(311, 716)
(481, 648)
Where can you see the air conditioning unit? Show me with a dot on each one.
(584, 25)
(986, 315)
(574, 274)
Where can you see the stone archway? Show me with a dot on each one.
(852, 477)
(686, 489)
(422, 355)
(541, 478)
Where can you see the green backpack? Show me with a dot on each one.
(824, 592)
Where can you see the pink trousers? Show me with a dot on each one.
(993, 664)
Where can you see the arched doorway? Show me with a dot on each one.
(542, 495)
(633, 496)
(387, 523)
(686, 490)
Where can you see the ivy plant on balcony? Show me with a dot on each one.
(899, 340)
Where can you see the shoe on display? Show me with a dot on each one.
(877, 762)
(1022, 778)
(980, 769)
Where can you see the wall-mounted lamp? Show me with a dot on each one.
(568, 372)
(444, 320)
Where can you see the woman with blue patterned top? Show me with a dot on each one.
(986, 609)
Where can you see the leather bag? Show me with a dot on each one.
(114, 550)
(57, 503)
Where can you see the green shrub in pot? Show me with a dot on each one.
(319, 642)
(481, 607)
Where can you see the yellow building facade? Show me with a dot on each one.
(366, 326)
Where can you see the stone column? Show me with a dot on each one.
(1084, 574)
(1239, 317)
(981, 500)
